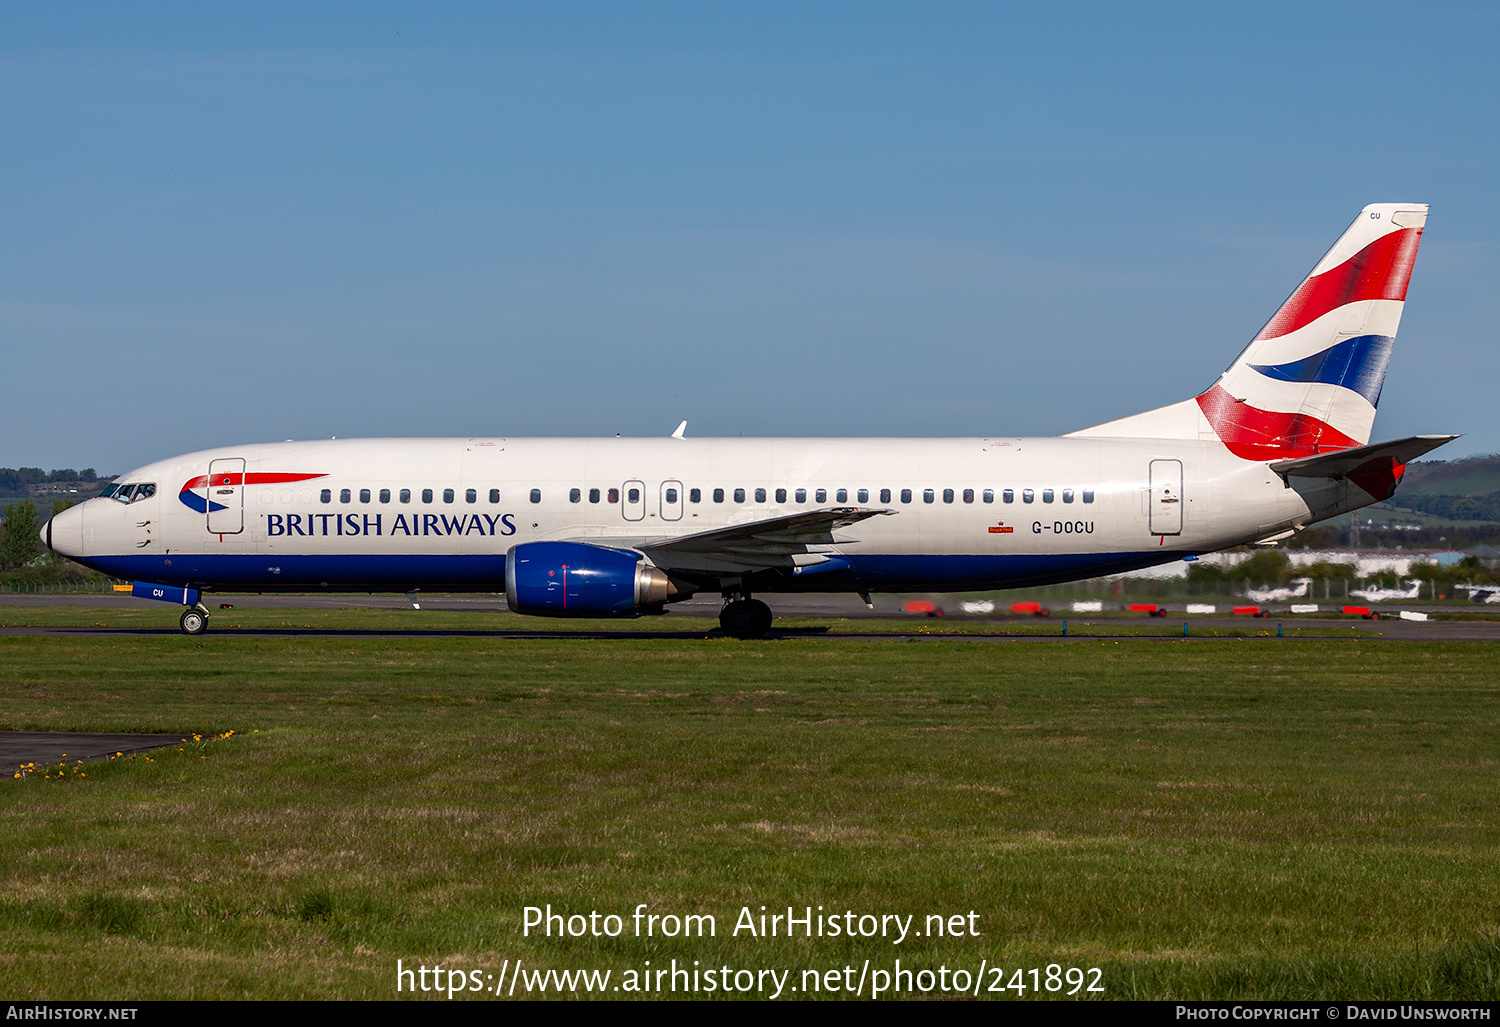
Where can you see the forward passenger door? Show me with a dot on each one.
(226, 496)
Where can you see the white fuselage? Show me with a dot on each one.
(401, 514)
(621, 527)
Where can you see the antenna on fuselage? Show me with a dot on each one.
(681, 429)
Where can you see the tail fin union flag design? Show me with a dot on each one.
(203, 504)
(1311, 379)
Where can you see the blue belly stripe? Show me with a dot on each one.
(486, 573)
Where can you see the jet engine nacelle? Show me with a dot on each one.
(574, 579)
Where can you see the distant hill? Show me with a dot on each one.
(1472, 476)
(1456, 490)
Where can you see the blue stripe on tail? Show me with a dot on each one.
(1358, 364)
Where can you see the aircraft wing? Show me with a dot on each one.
(743, 547)
(815, 527)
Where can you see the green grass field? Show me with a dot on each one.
(1207, 819)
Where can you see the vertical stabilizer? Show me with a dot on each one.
(1310, 380)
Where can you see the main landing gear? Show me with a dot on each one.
(743, 617)
(194, 621)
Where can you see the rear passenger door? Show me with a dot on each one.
(1166, 497)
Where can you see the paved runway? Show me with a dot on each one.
(687, 620)
(44, 748)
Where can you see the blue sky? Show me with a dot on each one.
(301, 221)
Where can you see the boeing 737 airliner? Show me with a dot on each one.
(622, 527)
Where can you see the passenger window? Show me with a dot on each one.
(1046, 495)
(471, 496)
(718, 495)
(841, 496)
(695, 495)
(326, 495)
(781, 495)
(385, 495)
(613, 495)
(820, 496)
(575, 495)
(1009, 495)
(989, 495)
(968, 495)
(536, 495)
(631, 496)
(928, 496)
(364, 495)
(864, 495)
(801, 495)
(739, 495)
(405, 495)
(885, 495)
(593, 495)
(447, 495)
(906, 495)
(427, 495)
(343, 495)
(1067, 495)
(760, 495)
(947, 495)
(494, 495)
(671, 496)
(1028, 496)
(1088, 495)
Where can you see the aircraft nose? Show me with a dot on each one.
(63, 534)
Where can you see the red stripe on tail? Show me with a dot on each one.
(1255, 434)
(1380, 271)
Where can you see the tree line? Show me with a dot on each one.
(20, 536)
(15, 479)
(1482, 507)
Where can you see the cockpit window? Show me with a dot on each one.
(123, 493)
(145, 491)
(109, 490)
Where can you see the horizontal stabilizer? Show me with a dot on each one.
(1348, 462)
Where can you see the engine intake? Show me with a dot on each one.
(575, 579)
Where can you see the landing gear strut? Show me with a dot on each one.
(194, 621)
(745, 618)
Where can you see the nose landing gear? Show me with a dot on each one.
(743, 617)
(194, 621)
